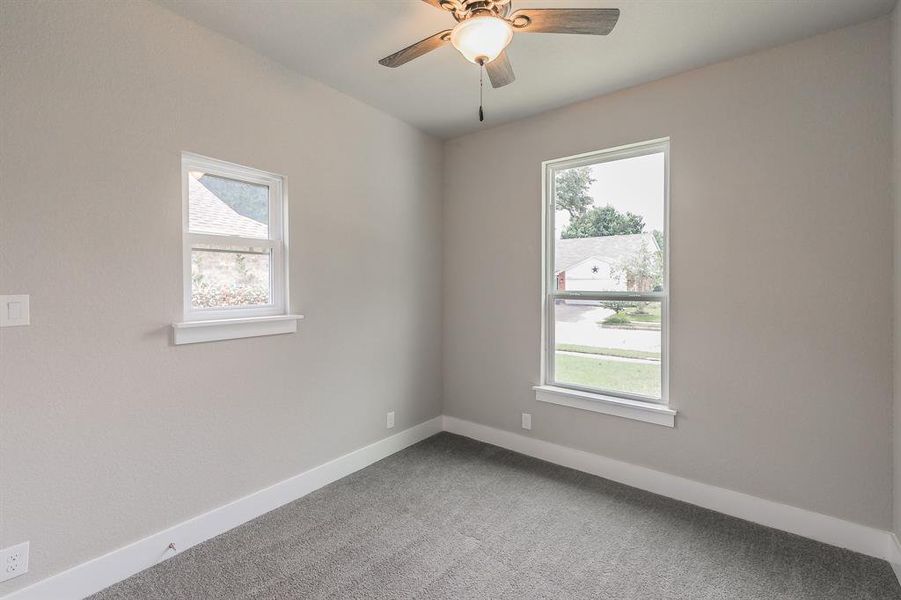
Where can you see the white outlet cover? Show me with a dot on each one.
(14, 310)
(526, 421)
(390, 420)
(13, 561)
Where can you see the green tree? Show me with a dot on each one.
(642, 271)
(571, 188)
(602, 221)
(658, 237)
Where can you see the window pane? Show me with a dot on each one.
(222, 277)
(609, 226)
(608, 345)
(224, 206)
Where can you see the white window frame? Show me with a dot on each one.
(636, 406)
(210, 324)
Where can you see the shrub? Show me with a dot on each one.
(616, 319)
(641, 309)
(207, 296)
(616, 306)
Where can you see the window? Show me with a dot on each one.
(605, 277)
(235, 259)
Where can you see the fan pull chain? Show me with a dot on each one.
(481, 74)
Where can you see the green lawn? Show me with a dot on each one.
(630, 318)
(611, 375)
(622, 352)
(652, 310)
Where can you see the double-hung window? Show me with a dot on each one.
(235, 256)
(605, 281)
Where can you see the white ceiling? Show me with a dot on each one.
(340, 41)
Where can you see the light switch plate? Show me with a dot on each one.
(14, 310)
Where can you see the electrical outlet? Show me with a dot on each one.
(13, 561)
(390, 420)
(526, 421)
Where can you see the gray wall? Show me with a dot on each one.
(781, 255)
(781, 273)
(896, 171)
(108, 433)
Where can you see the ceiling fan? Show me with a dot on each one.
(485, 28)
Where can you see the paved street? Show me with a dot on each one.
(578, 324)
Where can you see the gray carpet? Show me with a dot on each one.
(455, 518)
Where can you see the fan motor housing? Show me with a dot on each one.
(465, 9)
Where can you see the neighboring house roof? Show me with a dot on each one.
(209, 214)
(611, 249)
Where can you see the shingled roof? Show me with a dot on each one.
(610, 249)
(209, 214)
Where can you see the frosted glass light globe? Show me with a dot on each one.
(481, 38)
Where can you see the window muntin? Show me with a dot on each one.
(606, 279)
(234, 248)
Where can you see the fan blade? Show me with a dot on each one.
(592, 21)
(500, 71)
(436, 4)
(417, 49)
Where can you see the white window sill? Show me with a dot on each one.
(608, 405)
(192, 332)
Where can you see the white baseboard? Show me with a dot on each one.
(94, 575)
(823, 528)
(896, 562)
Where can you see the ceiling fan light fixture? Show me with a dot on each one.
(481, 39)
